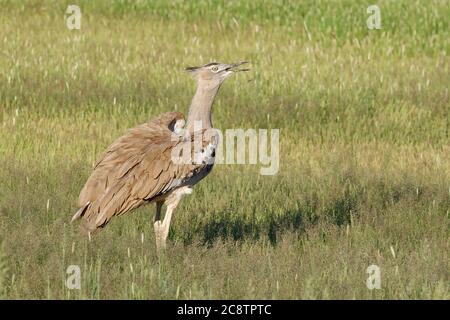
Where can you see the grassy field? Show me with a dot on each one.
(365, 148)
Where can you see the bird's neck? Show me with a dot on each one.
(200, 111)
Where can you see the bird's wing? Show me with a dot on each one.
(126, 152)
(145, 172)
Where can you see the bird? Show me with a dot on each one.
(158, 162)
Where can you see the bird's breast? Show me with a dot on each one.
(198, 175)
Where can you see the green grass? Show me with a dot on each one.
(365, 148)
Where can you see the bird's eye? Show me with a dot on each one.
(214, 69)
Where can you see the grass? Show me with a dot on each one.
(365, 153)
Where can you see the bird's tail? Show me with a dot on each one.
(86, 226)
(80, 213)
(115, 201)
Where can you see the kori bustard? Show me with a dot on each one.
(156, 161)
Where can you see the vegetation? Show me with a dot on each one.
(365, 155)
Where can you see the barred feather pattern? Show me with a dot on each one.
(138, 169)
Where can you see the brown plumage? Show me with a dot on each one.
(139, 167)
(135, 170)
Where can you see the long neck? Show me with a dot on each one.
(200, 111)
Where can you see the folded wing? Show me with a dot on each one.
(137, 168)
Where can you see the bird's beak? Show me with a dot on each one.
(234, 67)
(192, 69)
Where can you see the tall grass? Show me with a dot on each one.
(365, 154)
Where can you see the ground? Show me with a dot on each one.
(364, 144)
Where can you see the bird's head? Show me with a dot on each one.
(216, 72)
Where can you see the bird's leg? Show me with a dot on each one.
(162, 229)
(157, 224)
(158, 211)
